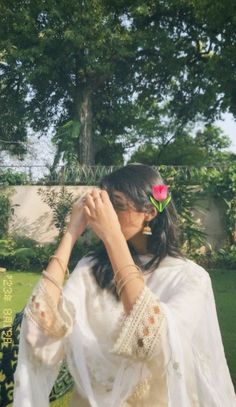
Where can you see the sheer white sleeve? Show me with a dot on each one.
(46, 324)
(143, 334)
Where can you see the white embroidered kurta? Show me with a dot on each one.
(167, 352)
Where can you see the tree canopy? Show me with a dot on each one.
(103, 73)
(207, 147)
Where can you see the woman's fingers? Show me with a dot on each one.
(90, 199)
(87, 211)
(96, 195)
(95, 201)
(100, 213)
(104, 196)
(91, 202)
(95, 192)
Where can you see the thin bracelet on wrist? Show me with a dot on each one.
(63, 267)
(124, 284)
(124, 267)
(52, 279)
(120, 281)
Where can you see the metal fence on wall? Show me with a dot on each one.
(81, 174)
(42, 175)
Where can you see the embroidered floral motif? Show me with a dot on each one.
(141, 390)
(140, 330)
(56, 321)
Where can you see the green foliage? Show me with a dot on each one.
(66, 139)
(189, 185)
(24, 241)
(6, 248)
(182, 151)
(112, 70)
(145, 154)
(225, 257)
(5, 214)
(60, 203)
(221, 183)
(23, 258)
(206, 148)
(218, 19)
(22, 253)
(212, 140)
(25, 254)
(110, 154)
(7, 251)
(186, 197)
(10, 177)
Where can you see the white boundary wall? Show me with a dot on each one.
(33, 218)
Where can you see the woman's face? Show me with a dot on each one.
(131, 221)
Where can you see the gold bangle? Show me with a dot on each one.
(61, 265)
(123, 285)
(120, 286)
(52, 279)
(119, 282)
(128, 265)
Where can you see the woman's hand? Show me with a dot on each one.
(78, 219)
(101, 215)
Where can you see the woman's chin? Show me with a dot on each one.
(132, 238)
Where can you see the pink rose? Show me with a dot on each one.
(160, 192)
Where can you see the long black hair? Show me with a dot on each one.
(135, 181)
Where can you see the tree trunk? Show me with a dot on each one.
(85, 147)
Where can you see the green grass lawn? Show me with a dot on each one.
(22, 286)
(224, 287)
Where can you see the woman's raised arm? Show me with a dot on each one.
(46, 311)
(57, 266)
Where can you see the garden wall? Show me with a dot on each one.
(33, 218)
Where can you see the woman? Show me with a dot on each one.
(136, 320)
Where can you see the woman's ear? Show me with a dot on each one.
(151, 214)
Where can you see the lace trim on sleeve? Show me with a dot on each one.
(140, 330)
(55, 321)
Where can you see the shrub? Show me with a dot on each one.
(23, 253)
(22, 258)
(224, 258)
(6, 251)
(5, 214)
(60, 203)
(10, 177)
(42, 255)
(24, 241)
(227, 257)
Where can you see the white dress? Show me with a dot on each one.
(167, 352)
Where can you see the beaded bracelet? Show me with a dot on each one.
(61, 265)
(52, 279)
